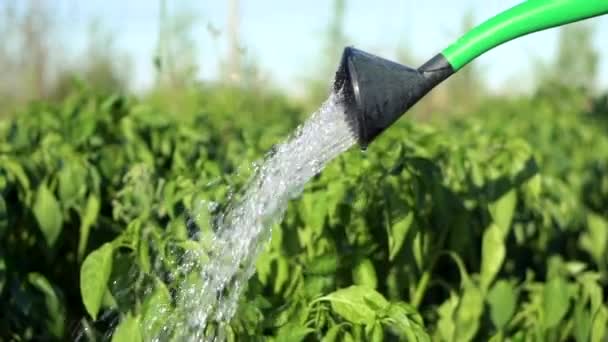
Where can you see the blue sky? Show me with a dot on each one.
(285, 37)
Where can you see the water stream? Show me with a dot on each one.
(245, 226)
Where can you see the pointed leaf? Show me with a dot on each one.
(503, 300)
(503, 209)
(556, 301)
(127, 330)
(469, 313)
(332, 333)
(493, 253)
(55, 310)
(397, 233)
(87, 219)
(446, 325)
(357, 304)
(155, 313)
(600, 324)
(595, 240)
(293, 333)
(48, 214)
(364, 274)
(325, 264)
(94, 275)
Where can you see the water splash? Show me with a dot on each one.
(210, 301)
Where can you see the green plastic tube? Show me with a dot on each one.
(528, 17)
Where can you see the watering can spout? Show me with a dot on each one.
(377, 91)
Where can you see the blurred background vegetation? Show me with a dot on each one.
(34, 66)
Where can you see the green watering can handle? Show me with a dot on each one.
(528, 17)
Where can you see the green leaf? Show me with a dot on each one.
(283, 314)
(263, 267)
(72, 182)
(293, 332)
(325, 264)
(468, 314)
(357, 304)
(155, 313)
(55, 311)
(600, 322)
(313, 210)
(94, 275)
(332, 333)
(364, 274)
(88, 218)
(582, 322)
(282, 274)
(534, 186)
(419, 248)
(556, 302)
(17, 171)
(376, 334)
(348, 337)
(446, 326)
(315, 286)
(336, 192)
(405, 320)
(127, 330)
(397, 234)
(498, 337)
(503, 300)
(503, 209)
(595, 239)
(493, 253)
(48, 214)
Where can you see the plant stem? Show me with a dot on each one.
(423, 283)
(422, 286)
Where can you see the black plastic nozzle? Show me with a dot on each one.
(378, 91)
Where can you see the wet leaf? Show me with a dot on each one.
(155, 313)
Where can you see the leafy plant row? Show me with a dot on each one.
(492, 227)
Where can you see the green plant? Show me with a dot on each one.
(492, 227)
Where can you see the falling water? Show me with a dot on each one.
(209, 302)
